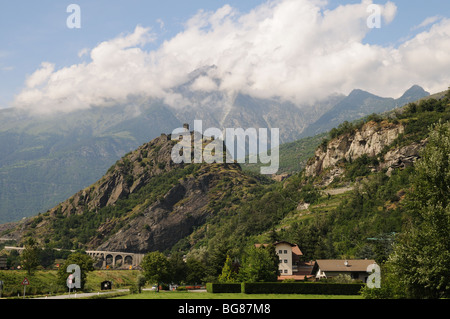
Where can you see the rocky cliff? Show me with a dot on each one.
(370, 139)
(162, 224)
(125, 177)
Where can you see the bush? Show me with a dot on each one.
(223, 288)
(134, 289)
(361, 166)
(302, 288)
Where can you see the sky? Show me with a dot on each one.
(293, 49)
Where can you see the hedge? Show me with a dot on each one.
(223, 288)
(302, 288)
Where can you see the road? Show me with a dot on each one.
(82, 295)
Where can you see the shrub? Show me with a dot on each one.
(223, 288)
(302, 288)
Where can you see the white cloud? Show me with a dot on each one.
(40, 76)
(204, 83)
(294, 49)
(161, 23)
(428, 21)
(389, 12)
(83, 52)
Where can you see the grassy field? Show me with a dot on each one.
(45, 281)
(206, 295)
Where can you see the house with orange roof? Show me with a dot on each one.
(291, 265)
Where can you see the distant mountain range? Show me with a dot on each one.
(45, 159)
(359, 104)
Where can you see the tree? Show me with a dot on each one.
(30, 256)
(421, 257)
(177, 268)
(140, 282)
(259, 264)
(85, 262)
(156, 268)
(47, 257)
(195, 270)
(217, 254)
(228, 274)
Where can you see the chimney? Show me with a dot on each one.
(346, 263)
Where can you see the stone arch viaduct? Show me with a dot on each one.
(107, 258)
(116, 259)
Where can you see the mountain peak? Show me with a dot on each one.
(414, 93)
(358, 92)
(415, 89)
(359, 95)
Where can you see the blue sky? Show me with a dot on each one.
(33, 32)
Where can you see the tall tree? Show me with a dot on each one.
(177, 268)
(195, 270)
(30, 256)
(421, 257)
(156, 268)
(259, 264)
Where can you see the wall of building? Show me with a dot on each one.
(284, 252)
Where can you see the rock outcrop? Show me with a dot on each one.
(161, 225)
(402, 157)
(370, 139)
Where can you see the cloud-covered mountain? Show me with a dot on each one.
(46, 158)
(297, 51)
(359, 104)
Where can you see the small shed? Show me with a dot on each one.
(106, 285)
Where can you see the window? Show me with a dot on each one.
(285, 261)
(285, 251)
(285, 271)
(280, 251)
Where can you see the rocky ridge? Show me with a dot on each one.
(168, 201)
(371, 139)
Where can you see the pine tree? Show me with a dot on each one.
(228, 275)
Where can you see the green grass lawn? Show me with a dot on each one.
(207, 295)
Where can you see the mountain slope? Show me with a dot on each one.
(145, 202)
(47, 159)
(359, 104)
